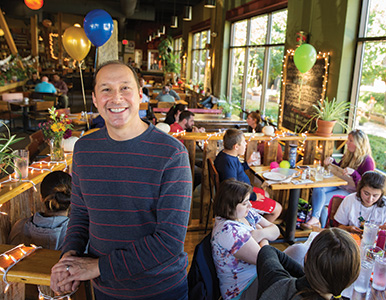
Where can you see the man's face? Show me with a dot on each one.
(189, 123)
(116, 96)
(56, 78)
(241, 147)
(34, 76)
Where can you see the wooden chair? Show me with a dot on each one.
(143, 105)
(10, 97)
(36, 144)
(332, 209)
(7, 114)
(65, 111)
(41, 110)
(182, 96)
(214, 183)
(165, 104)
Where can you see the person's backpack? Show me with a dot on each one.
(202, 278)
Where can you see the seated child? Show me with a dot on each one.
(238, 234)
(48, 228)
(332, 264)
(228, 166)
(366, 205)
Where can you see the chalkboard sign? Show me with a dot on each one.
(300, 91)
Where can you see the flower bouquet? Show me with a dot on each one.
(55, 130)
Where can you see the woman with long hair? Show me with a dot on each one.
(238, 234)
(254, 121)
(47, 228)
(356, 161)
(331, 264)
(173, 114)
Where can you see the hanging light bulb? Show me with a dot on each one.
(210, 3)
(174, 22)
(187, 13)
(163, 30)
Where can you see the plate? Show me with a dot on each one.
(328, 176)
(274, 176)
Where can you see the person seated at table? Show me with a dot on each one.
(164, 96)
(142, 84)
(143, 112)
(62, 89)
(47, 228)
(228, 165)
(332, 264)
(173, 93)
(154, 65)
(32, 82)
(209, 101)
(366, 205)
(174, 112)
(254, 121)
(356, 161)
(238, 234)
(45, 86)
(185, 122)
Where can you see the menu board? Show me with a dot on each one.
(300, 91)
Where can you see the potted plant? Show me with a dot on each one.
(329, 113)
(169, 60)
(6, 152)
(227, 107)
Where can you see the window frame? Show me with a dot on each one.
(200, 48)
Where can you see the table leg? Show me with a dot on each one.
(292, 212)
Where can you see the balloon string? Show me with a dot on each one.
(84, 96)
(96, 56)
(300, 88)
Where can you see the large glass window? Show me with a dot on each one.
(369, 88)
(199, 56)
(256, 52)
(177, 49)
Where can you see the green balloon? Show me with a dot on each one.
(305, 57)
(284, 164)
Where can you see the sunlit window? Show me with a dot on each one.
(199, 56)
(256, 52)
(369, 88)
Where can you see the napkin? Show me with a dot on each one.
(285, 180)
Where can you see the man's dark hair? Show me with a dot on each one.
(186, 114)
(115, 62)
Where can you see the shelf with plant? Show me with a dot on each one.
(170, 60)
(6, 151)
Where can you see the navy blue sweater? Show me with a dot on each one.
(132, 200)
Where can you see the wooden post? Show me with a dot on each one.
(209, 152)
(252, 146)
(34, 39)
(309, 152)
(191, 147)
(8, 37)
(327, 150)
(60, 32)
(270, 151)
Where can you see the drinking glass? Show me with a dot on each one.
(369, 233)
(362, 283)
(379, 277)
(319, 173)
(21, 163)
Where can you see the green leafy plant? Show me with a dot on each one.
(169, 59)
(330, 111)
(6, 152)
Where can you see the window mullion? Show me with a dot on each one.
(266, 65)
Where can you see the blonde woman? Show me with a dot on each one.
(356, 161)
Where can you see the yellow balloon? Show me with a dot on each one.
(76, 43)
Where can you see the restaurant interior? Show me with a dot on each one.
(290, 60)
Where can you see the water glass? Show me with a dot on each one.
(379, 277)
(369, 234)
(363, 281)
(319, 173)
(21, 163)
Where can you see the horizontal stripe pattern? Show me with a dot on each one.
(132, 200)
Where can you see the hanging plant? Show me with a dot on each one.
(170, 61)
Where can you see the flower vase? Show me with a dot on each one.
(56, 149)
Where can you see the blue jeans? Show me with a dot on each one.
(320, 198)
(178, 293)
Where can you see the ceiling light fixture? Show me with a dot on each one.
(174, 18)
(210, 3)
(187, 13)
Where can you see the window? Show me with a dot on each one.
(369, 88)
(199, 55)
(256, 54)
(177, 49)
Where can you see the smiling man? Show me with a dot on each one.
(131, 198)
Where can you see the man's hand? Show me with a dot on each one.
(58, 275)
(79, 269)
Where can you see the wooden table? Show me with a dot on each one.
(193, 110)
(25, 107)
(289, 234)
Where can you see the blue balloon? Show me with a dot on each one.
(98, 26)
